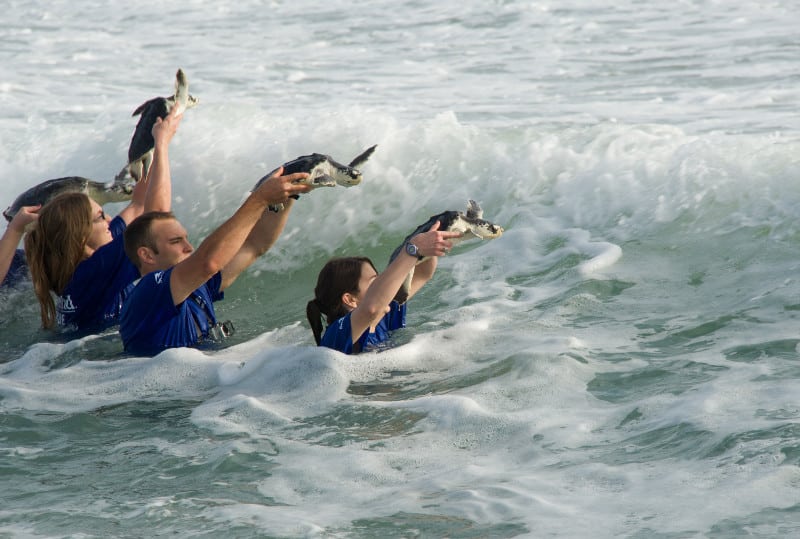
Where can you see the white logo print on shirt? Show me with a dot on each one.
(66, 304)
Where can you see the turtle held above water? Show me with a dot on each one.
(140, 151)
(323, 171)
(116, 191)
(471, 225)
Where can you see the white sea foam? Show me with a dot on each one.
(624, 354)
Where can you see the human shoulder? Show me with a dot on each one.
(117, 227)
(155, 279)
(338, 335)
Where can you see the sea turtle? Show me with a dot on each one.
(323, 171)
(116, 191)
(140, 151)
(471, 224)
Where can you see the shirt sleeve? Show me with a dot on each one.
(339, 335)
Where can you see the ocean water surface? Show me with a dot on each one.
(622, 362)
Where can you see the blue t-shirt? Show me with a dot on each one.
(339, 335)
(92, 300)
(151, 322)
(17, 271)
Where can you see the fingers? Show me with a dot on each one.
(168, 124)
(434, 242)
(277, 188)
(174, 114)
(445, 234)
(25, 216)
(442, 244)
(443, 247)
(296, 177)
(290, 182)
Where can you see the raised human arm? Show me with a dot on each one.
(263, 236)
(13, 234)
(375, 302)
(423, 272)
(218, 249)
(154, 193)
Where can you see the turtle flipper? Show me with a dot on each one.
(323, 180)
(474, 211)
(362, 158)
(181, 90)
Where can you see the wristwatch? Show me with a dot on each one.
(412, 250)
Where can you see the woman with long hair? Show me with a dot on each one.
(358, 303)
(76, 252)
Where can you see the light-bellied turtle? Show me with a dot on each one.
(323, 171)
(471, 224)
(140, 151)
(102, 193)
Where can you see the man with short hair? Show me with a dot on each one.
(172, 304)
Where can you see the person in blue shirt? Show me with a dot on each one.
(358, 303)
(13, 268)
(77, 252)
(172, 305)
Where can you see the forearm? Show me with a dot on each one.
(136, 206)
(159, 185)
(423, 272)
(216, 251)
(153, 193)
(263, 236)
(8, 246)
(385, 286)
(268, 229)
(225, 242)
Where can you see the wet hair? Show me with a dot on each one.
(139, 234)
(336, 278)
(54, 247)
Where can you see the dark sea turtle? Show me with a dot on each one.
(471, 224)
(116, 191)
(323, 171)
(140, 151)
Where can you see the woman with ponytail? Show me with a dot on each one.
(358, 303)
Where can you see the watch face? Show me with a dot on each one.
(411, 249)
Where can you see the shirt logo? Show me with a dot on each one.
(66, 305)
(159, 276)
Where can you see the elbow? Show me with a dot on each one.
(374, 311)
(212, 266)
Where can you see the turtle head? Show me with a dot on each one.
(329, 173)
(484, 229)
(472, 222)
(118, 190)
(347, 176)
